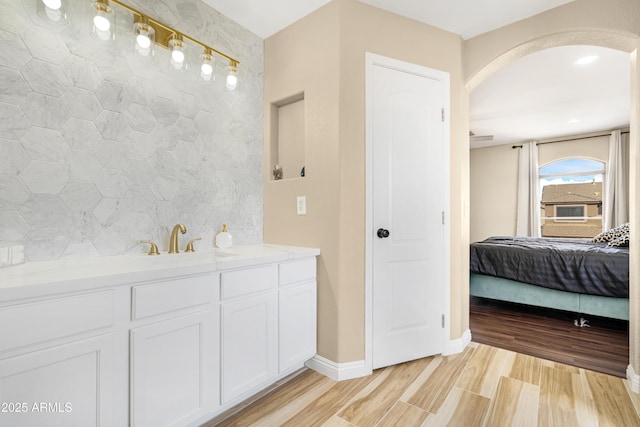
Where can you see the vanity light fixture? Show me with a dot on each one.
(232, 77)
(150, 32)
(177, 52)
(145, 37)
(206, 68)
(103, 22)
(52, 10)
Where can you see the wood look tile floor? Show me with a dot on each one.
(552, 335)
(482, 386)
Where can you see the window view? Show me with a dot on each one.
(571, 201)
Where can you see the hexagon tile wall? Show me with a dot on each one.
(101, 148)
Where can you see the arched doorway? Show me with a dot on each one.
(626, 43)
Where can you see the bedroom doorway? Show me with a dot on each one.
(407, 136)
(623, 44)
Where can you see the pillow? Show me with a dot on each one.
(620, 242)
(612, 234)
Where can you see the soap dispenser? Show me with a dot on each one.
(224, 240)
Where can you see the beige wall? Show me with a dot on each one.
(596, 148)
(494, 191)
(323, 56)
(305, 58)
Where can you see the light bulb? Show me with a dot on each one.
(177, 56)
(145, 37)
(143, 40)
(232, 79)
(206, 71)
(101, 22)
(103, 27)
(206, 68)
(177, 53)
(53, 4)
(52, 11)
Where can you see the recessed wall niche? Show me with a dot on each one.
(288, 138)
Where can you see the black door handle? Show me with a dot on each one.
(382, 233)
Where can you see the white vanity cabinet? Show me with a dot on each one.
(297, 311)
(58, 362)
(151, 341)
(249, 329)
(268, 324)
(173, 358)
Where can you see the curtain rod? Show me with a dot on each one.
(569, 139)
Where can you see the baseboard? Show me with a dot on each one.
(457, 346)
(346, 371)
(634, 379)
(338, 371)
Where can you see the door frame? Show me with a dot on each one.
(372, 60)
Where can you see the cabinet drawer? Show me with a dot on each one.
(248, 281)
(51, 319)
(172, 295)
(297, 271)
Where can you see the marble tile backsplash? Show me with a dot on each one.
(101, 148)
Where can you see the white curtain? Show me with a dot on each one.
(616, 203)
(528, 213)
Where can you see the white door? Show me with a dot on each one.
(408, 136)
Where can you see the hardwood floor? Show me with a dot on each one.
(482, 386)
(552, 335)
(526, 367)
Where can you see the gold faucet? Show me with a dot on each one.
(154, 248)
(173, 242)
(190, 245)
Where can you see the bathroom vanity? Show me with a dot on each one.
(152, 341)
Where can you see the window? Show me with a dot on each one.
(571, 198)
(570, 213)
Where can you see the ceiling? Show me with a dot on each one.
(465, 17)
(545, 95)
(532, 98)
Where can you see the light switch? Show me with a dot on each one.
(301, 205)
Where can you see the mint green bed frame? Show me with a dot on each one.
(523, 293)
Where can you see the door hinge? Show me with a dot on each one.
(442, 217)
(443, 320)
(442, 114)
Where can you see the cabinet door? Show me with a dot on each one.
(297, 325)
(249, 344)
(68, 385)
(173, 371)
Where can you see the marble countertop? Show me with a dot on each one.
(69, 275)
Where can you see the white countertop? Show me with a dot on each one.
(41, 278)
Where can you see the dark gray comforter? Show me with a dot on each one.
(574, 265)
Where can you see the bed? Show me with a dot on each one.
(579, 275)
